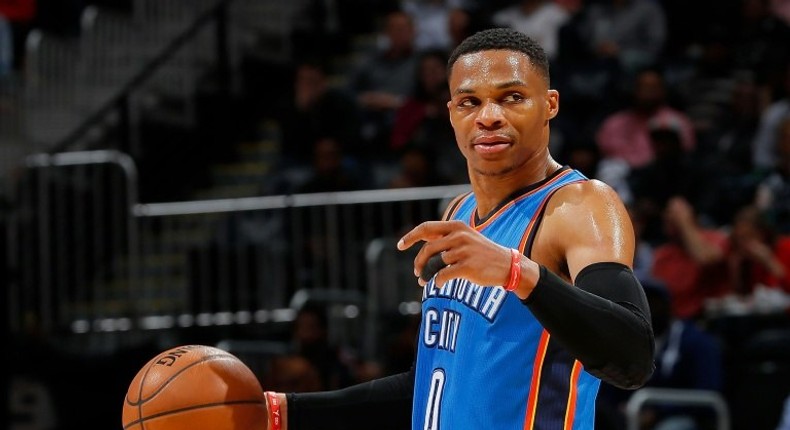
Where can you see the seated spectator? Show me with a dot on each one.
(625, 134)
(417, 168)
(765, 141)
(384, 79)
(691, 261)
(724, 152)
(630, 32)
(671, 172)
(292, 373)
(773, 192)
(423, 116)
(310, 339)
(316, 29)
(462, 23)
(757, 256)
(331, 169)
(315, 109)
(760, 41)
(423, 120)
(538, 19)
(431, 22)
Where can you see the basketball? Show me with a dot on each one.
(194, 387)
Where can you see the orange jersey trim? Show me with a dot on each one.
(570, 412)
(532, 401)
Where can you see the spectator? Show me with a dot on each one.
(417, 169)
(316, 29)
(691, 24)
(725, 153)
(462, 23)
(292, 372)
(423, 119)
(761, 41)
(310, 338)
(538, 19)
(431, 22)
(671, 172)
(315, 109)
(773, 192)
(691, 261)
(625, 135)
(705, 88)
(630, 32)
(583, 82)
(757, 256)
(764, 145)
(384, 79)
(331, 169)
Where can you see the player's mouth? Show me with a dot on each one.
(490, 144)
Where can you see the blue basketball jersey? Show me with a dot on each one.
(483, 360)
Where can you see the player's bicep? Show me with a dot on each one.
(597, 227)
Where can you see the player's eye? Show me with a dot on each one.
(467, 102)
(514, 98)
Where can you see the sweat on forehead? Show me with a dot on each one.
(502, 39)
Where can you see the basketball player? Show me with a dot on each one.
(534, 302)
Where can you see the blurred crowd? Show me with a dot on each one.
(682, 106)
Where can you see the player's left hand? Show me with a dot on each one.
(466, 253)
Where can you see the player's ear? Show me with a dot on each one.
(552, 103)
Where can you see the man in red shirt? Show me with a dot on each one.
(692, 262)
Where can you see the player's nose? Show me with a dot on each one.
(490, 115)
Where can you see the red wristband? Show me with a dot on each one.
(515, 270)
(274, 410)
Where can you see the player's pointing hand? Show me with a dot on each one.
(456, 250)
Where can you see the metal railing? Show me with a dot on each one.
(89, 258)
(676, 397)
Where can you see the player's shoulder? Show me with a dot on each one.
(591, 190)
(585, 197)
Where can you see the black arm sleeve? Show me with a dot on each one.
(604, 323)
(384, 403)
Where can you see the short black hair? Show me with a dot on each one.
(503, 38)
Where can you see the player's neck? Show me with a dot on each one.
(491, 191)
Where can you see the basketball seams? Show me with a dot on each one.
(142, 400)
(141, 421)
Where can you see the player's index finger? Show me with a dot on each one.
(428, 230)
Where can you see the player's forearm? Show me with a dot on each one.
(604, 323)
(383, 403)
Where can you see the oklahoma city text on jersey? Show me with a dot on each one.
(441, 328)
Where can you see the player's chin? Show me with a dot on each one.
(491, 170)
